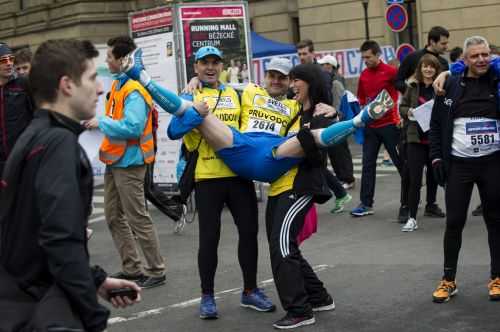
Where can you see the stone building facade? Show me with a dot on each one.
(30, 22)
(338, 24)
(331, 24)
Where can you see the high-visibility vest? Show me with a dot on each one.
(112, 149)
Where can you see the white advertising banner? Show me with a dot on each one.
(153, 31)
(350, 63)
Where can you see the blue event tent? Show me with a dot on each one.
(262, 47)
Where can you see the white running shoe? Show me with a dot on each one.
(410, 226)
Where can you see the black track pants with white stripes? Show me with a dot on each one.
(298, 286)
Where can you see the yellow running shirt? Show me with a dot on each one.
(209, 166)
(262, 113)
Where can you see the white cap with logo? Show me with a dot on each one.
(329, 59)
(282, 65)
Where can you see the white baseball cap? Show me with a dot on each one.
(282, 65)
(330, 59)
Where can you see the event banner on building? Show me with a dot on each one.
(350, 63)
(224, 26)
(153, 31)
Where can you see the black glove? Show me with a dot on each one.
(439, 172)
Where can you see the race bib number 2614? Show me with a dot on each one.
(259, 125)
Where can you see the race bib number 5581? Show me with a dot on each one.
(475, 137)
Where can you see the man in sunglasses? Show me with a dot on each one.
(16, 105)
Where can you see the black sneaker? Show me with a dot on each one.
(404, 213)
(434, 211)
(478, 211)
(325, 305)
(150, 282)
(291, 322)
(126, 276)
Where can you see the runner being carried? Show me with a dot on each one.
(272, 155)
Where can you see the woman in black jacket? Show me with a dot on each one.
(300, 291)
(419, 92)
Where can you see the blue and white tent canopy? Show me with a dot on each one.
(262, 47)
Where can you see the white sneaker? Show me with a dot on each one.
(89, 233)
(410, 226)
(348, 185)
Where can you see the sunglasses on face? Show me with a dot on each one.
(6, 59)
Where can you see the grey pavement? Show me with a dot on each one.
(381, 279)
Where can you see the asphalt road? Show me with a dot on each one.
(381, 279)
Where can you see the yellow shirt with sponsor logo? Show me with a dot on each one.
(262, 113)
(285, 182)
(209, 166)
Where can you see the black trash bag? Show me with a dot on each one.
(168, 205)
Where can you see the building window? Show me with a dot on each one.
(295, 28)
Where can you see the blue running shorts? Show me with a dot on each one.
(252, 157)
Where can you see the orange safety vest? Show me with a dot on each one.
(112, 149)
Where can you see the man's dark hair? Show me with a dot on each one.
(306, 43)
(435, 34)
(23, 55)
(55, 59)
(455, 53)
(371, 45)
(122, 46)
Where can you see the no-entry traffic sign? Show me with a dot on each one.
(396, 17)
(403, 50)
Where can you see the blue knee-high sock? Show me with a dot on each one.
(166, 99)
(337, 132)
(362, 118)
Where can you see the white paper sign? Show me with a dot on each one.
(423, 115)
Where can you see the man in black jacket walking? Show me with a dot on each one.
(16, 106)
(46, 195)
(464, 150)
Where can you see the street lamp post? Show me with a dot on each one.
(367, 29)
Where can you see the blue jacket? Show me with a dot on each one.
(349, 107)
(181, 125)
(130, 127)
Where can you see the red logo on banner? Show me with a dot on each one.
(151, 19)
(210, 12)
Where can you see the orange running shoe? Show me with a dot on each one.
(494, 289)
(444, 291)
